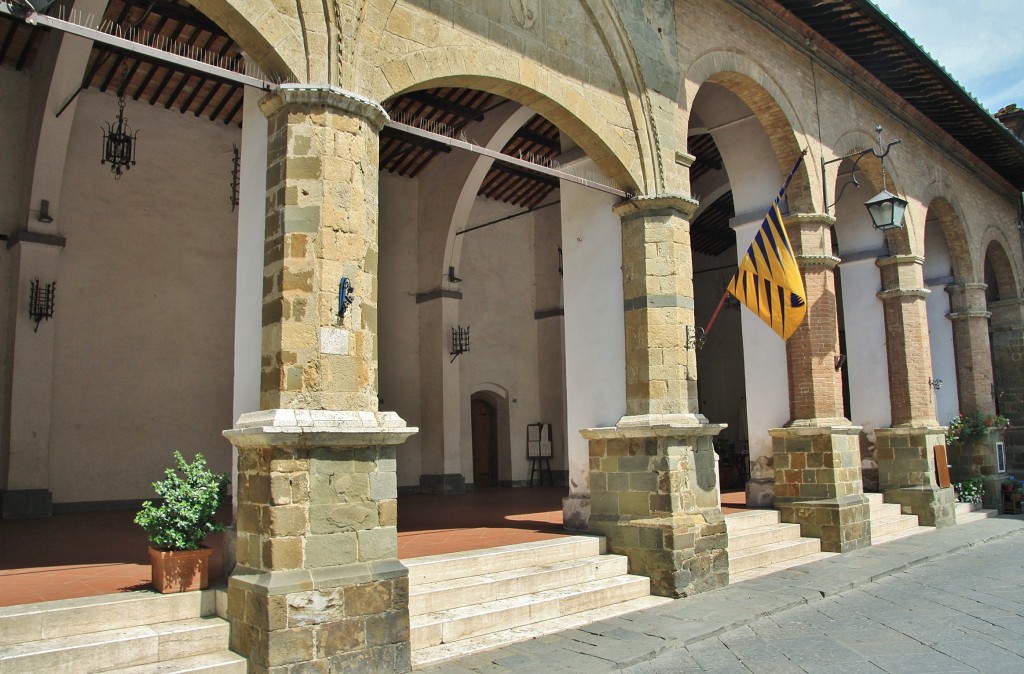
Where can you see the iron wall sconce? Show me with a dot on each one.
(695, 338)
(885, 208)
(44, 212)
(452, 278)
(460, 342)
(40, 301)
(236, 172)
(346, 294)
(838, 361)
(935, 383)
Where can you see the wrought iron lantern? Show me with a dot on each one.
(885, 208)
(460, 342)
(40, 301)
(119, 138)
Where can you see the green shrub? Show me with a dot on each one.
(185, 513)
(970, 490)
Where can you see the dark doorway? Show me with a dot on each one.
(485, 443)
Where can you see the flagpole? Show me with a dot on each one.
(721, 303)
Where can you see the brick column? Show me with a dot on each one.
(1008, 363)
(908, 349)
(654, 476)
(970, 315)
(817, 456)
(318, 586)
(905, 453)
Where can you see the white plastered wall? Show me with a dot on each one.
(595, 342)
(938, 271)
(13, 112)
(145, 305)
(398, 330)
(860, 244)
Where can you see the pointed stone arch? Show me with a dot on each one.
(270, 33)
(949, 217)
(998, 268)
(739, 74)
(599, 99)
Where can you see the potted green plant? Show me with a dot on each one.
(179, 521)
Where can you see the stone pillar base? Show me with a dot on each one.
(351, 618)
(843, 524)
(761, 493)
(818, 484)
(318, 586)
(992, 497)
(682, 555)
(934, 507)
(448, 483)
(654, 496)
(576, 513)
(906, 473)
(16, 504)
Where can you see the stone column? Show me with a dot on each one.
(1008, 362)
(977, 458)
(905, 452)
(974, 378)
(653, 477)
(971, 343)
(817, 456)
(318, 586)
(976, 385)
(322, 178)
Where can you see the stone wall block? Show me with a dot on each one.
(315, 608)
(330, 549)
(287, 520)
(338, 518)
(378, 543)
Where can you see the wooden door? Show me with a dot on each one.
(485, 444)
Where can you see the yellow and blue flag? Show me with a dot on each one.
(768, 279)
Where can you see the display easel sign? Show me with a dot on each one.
(538, 441)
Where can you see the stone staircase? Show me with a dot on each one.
(467, 602)
(888, 523)
(129, 633)
(759, 544)
(972, 512)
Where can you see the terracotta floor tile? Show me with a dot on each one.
(86, 554)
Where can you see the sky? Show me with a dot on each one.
(979, 42)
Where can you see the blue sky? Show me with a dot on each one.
(979, 42)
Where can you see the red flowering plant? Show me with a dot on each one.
(974, 426)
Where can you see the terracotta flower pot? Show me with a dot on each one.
(180, 570)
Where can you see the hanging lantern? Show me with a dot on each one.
(886, 210)
(119, 138)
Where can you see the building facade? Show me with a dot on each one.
(661, 130)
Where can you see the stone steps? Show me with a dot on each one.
(431, 655)
(888, 523)
(760, 544)
(471, 601)
(137, 632)
(972, 512)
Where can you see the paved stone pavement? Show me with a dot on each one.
(950, 600)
